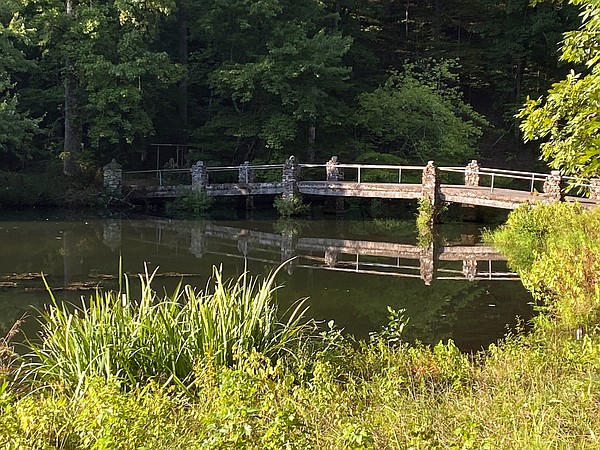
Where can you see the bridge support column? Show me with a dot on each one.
(111, 234)
(431, 188)
(469, 268)
(113, 177)
(245, 177)
(331, 257)
(289, 251)
(552, 190)
(197, 244)
(334, 173)
(469, 212)
(427, 263)
(199, 177)
(595, 189)
(290, 178)
(472, 173)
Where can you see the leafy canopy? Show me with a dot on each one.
(569, 115)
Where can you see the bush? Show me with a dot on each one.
(290, 206)
(191, 205)
(556, 251)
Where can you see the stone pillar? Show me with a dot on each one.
(469, 269)
(430, 183)
(246, 174)
(113, 177)
(111, 234)
(472, 173)
(427, 264)
(288, 251)
(197, 244)
(595, 189)
(290, 178)
(331, 257)
(334, 173)
(552, 190)
(199, 177)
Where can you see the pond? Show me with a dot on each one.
(351, 270)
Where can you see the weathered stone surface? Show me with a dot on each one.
(552, 190)
(111, 234)
(472, 173)
(427, 264)
(199, 177)
(290, 178)
(246, 174)
(334, 173)
(113, 177)
(469, 269)
(430, 183)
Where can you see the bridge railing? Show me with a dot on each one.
(368, 173)
(160, 177)
(249, 173)
(500, 178)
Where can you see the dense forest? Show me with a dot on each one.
(394, 81)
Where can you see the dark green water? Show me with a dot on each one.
(350, 270)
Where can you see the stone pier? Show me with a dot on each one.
(199, 177)
(113, 177)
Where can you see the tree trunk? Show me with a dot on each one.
(73, 124)
(312, 131)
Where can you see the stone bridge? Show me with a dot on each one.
(470, 185)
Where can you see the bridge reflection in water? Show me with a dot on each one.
(442, 262)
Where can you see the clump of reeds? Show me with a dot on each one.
(113, 336)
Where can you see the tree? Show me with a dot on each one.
(275, 69)
(16, 127)
(569, 116)
(112, 67)
(418, 115)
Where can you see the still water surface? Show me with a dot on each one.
(351, 270)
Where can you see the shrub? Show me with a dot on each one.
(290, 206)
(191, 205)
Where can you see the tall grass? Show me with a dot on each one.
(113, 336)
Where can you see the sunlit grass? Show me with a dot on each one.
(114, 336)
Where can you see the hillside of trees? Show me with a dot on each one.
(391, 81)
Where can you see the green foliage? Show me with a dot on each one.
(425, 218)
(191, 205)
(568, 117)
(555, 248)
(17, 128)
(290, 206)
(115, 337)
(419, 115)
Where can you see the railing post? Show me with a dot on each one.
(472, 173)
(469, 269)
(246, 174)
(197, 241)
(199, 177)
(430, 184)
(334, 173)
(427, 263)
(552, 189)
(113, 177)
(111, 234)
(595, 189)
(290, 178)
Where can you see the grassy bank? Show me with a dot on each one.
(318, 390)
